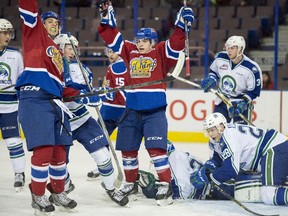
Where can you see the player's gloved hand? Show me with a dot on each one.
(210, 165)
(66, 72)
(93, 100)
(108, 17)
(198, 178)
(185, 14)
(208, 83)
(238, 108)
(110, 96)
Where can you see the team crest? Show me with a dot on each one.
(142, 67)
(228, 84)
(56, 57)
(224, 67)
(5, 74)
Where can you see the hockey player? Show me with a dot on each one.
(11, 65)
(238, 78)
(241, 147)
(44, 118)
(182, 165)
(112, 111)
(85, 129)
(146, 60)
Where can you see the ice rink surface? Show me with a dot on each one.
(93, 201)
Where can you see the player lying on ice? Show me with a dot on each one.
(183, 165)
(241, 147)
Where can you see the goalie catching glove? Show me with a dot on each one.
(185, 15)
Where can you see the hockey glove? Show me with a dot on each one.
(185, 14)
(108, 17)
(198, 178)
(210, 165)
(110, 96)
(208, 83)
(66, 72)
(238, 108)
(93, 100)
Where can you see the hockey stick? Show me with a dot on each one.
(238, 202)
(218, 94)
(7, 87)
(120, 176)
(187, 64)
(171, 76)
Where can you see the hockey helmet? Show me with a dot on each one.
(214, 120)
(62, 39)
(51, 14)
(238, 41)
(6, 26)
(147, 33)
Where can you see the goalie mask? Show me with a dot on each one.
(6, 26)
(51, 14)
(62, 39)
(147, 34)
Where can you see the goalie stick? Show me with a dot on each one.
(238, 202)
(218, 94)
(170, 77)
(120, 176)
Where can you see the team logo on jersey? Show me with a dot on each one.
(228, 84)
(56, 57)
(224, 67)
(5, 74)
(254, 69)
(142, 67)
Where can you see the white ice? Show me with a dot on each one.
(93, 201)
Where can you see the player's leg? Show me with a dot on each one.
(274, 171)
(155, 134)
(69, 186)
(222, 108)
(11, 135)
(128, 141)
(91, 136)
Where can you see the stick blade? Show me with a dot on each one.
(180, 63)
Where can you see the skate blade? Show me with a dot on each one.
(68, 210)
(40, 213)
(18, 189)
(165, 202)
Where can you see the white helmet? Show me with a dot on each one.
(238, 41)
(214, 120)
(62, 39)
(6, 26)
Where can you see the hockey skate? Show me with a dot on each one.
(61, 200)
(69, 187)
(116, 196)
(130, 190)
(19, 181)
(41, 205)
(91, 176)
(164, 194)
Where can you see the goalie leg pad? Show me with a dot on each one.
(248, 188)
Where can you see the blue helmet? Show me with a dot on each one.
(147, 33)
(51, 14)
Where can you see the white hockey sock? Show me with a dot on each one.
(106, 170)
(17, 154)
